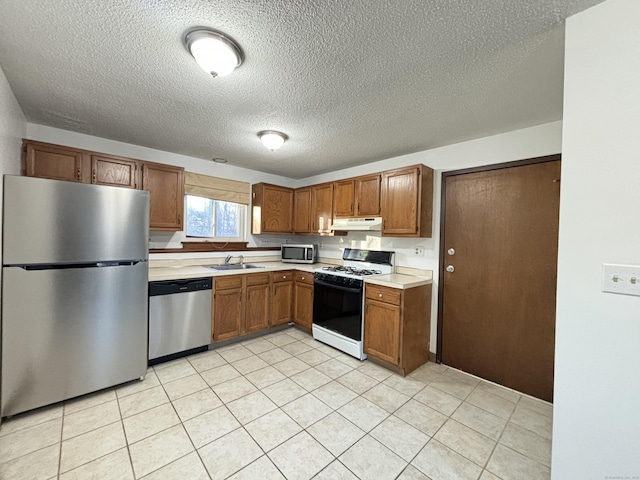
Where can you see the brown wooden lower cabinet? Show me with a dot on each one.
(281, 305)
(240, 305)
(228, 307)
(256, 302)
(303, 299)
(397, 325)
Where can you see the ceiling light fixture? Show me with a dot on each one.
(215, 52)
(220, 160)
(272, 139)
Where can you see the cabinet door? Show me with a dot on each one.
(303, 304)
(165, 185)
(322, 207)
(51, 161)
(343, 194)
(115, 172)
(281, 311)
(277, 210)
(382, 331)
(400, 195)
(367, 196)
(227, 314)
(257, 308)
(302, 210)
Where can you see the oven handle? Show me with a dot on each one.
(339, 287)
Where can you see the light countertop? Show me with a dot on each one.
(395, 280)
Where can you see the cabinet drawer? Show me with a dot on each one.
(232, 281)
(304, 277)
(283, 276)
(257, 279)
(383, 294)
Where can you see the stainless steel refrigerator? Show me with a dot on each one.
(74, 290)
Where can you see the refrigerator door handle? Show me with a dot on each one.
(67, 266)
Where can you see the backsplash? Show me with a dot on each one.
(330, 247)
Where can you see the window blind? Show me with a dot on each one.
(216, 188)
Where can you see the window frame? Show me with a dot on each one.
(242, 230)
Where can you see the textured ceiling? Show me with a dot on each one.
(350, 82)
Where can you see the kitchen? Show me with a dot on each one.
(545, 139)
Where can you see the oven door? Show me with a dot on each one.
(338, 308)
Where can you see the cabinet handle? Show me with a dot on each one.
(94, 176)
(78, 173)
(380, 295)
(179, 218)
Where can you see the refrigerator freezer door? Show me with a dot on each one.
(51, 222)
(71, 331)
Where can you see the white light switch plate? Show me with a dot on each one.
(624, 279)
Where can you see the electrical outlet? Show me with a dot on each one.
(419, 251)
(320, 245)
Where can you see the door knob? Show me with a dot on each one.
(450, 269)
(451, 251)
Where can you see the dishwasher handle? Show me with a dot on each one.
(169, 287)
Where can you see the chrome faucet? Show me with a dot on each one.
(229, 257)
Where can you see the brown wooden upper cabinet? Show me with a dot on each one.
(114, 171)
(165, 184)
(321, 207)
(56, 162)
(407, 201)
(271, 209)
(367, 196)
(302, 210)
(343, 198)
(357, 197)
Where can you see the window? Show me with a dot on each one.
(214, 219)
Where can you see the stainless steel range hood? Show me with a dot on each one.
(357, 224)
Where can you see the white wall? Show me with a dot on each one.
(191, 164)
(530, 142)
(13, 128)
(596, 431)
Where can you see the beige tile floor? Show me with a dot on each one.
(284, 406)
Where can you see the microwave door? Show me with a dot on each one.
(293, 253)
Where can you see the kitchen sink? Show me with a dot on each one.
(233, 266)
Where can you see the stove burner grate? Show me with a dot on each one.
(352, 270)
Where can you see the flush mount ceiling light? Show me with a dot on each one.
(215, 52)
(272, 139)
(220, 160)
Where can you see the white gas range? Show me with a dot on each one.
(338, 300)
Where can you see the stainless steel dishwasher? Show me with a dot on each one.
(179, 317)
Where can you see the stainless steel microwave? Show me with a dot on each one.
(298, 253)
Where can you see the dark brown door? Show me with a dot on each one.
(500, 248)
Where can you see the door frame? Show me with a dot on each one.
(443, 196)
